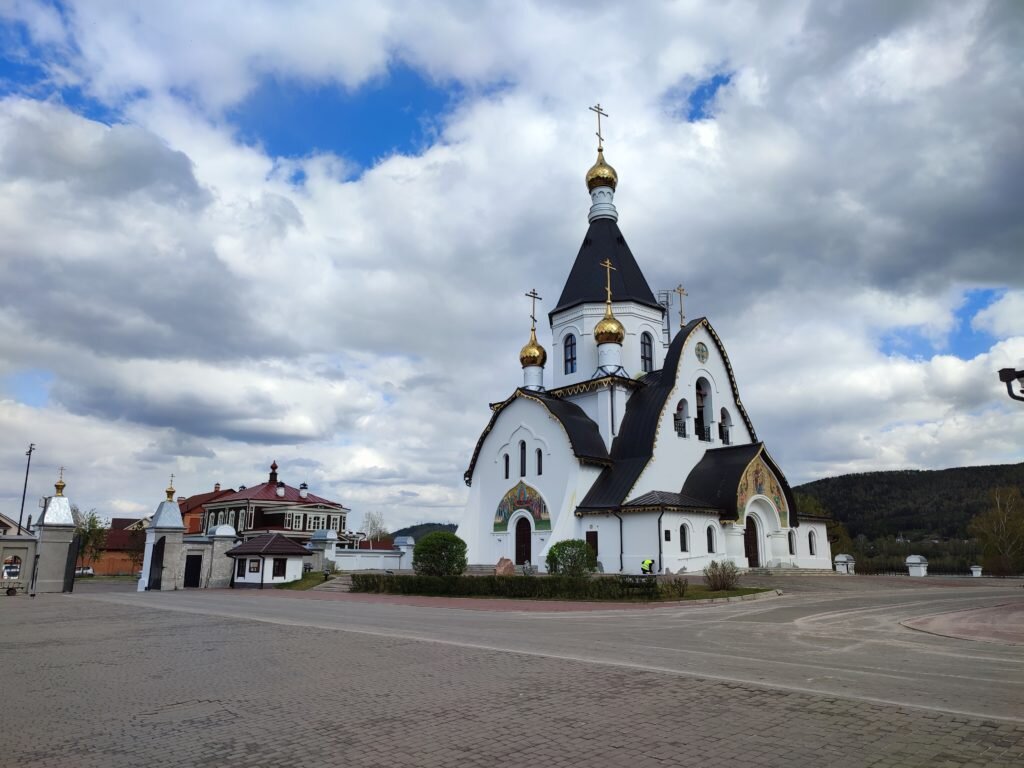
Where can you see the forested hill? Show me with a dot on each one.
(422, 529)
(917, 503)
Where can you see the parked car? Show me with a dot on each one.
(84, 570)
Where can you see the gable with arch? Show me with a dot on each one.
(525, 497)
(759, 480)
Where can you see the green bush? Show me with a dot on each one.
(721, 576)
(440, 553)
(556, 587)
(572, 557)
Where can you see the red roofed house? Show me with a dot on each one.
(192, 507)
(274, 507)
(122, 551)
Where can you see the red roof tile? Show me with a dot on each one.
(268, 492)
(195, 502)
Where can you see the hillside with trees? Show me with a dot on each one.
(912, 504)
(422, 529)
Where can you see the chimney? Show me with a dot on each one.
(303, 491)
(273, 473)
(280, 489)
(181, 499)
(216, 487)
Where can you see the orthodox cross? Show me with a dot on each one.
(61, 474)
(600, 113)
(682, 292)
(607, 264)
(172, 479)
(534, 297)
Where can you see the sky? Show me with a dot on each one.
(239, 232)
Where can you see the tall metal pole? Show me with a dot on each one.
(31, 447)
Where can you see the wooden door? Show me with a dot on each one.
(523, 535)
(592, 541)
(750, 544)
(193, 569)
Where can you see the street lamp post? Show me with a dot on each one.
(31, 447)
(1008, 376)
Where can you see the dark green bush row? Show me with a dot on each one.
(544, 587)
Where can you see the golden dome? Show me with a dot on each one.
(601, 174)
(533, 353)
(608, 329)
(59, 486)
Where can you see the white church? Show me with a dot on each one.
(642, 447)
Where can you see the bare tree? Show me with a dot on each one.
(374, 526)
(1000, 530)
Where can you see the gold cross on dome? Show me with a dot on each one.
(607, 264)
(600, 113)
(172, 478)
(682, 292)
(61, 474)
(534, 297)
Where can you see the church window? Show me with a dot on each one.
(792, 542)
(570, 354)
(681, 417)
(812, 544)
(684, 538)
(711, 540)
(506, 466)
(646, 352)
(540, 462)
(725, 428)
(702, 422)
(522, 458)
(668, 535)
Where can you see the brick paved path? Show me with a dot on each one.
(88, 683)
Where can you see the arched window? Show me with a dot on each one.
(646, 352)
(792, 542)
(812, 545)
(681, 417)
(711, 540)
(522, 458)
(702, 422)
(725, 427)
(220, 518)
(231, 519)
(540, 462)
(684, 538)
(570, 354)
(505, 457)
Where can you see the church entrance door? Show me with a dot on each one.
(523, 533)
(750, 544)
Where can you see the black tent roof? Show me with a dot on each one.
(586, 283)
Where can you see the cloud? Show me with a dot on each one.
(206, 308)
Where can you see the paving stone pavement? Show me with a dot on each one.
(89, 683)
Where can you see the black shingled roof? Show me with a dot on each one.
(668, 499)
(584, 436)
(586, 283)
(268, 544)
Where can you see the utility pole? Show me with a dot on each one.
(31, 447)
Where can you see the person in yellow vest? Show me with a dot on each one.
(647, 566)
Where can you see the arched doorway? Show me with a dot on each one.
(750, 548)
(523, 535)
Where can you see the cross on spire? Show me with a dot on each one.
(682, 292)
(607, 264)
(600, 113)
(172, 479)
(534, 297)
(61, 478)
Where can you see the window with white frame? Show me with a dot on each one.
(297, 522)
(316, 522)
(252, 515)
(288, 520)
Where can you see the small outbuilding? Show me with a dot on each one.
(917, 565)
(844, 564)
(267, 560)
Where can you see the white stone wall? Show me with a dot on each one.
(675, 456)
(293, 571)
(372, 560)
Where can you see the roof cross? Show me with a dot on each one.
(61, 474)
(607, 264)
(682, 292)
(600, 113)
(534, 298)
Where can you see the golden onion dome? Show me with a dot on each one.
(533, 353)
(608, 329)
(601, 174)
(59, 486)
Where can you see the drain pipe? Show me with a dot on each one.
(660, 537)
(620, 540)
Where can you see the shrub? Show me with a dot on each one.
(572, 557)
(546, 588)
(721, 576)
(675, 589)
(440, 553)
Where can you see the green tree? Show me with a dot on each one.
(572, 557)
(93, 535)
(1000, 531)
(439, 554)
